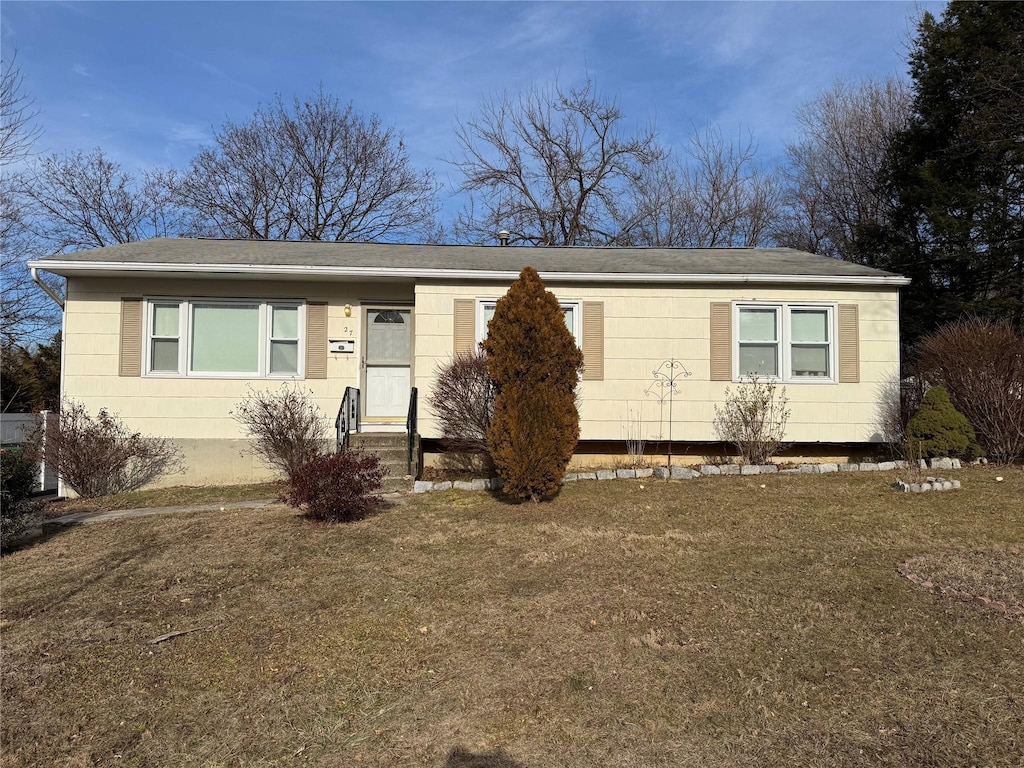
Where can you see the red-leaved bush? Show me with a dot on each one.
(981, 365)
(337, 487)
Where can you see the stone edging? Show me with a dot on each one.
(689, 473)
(1011, 611)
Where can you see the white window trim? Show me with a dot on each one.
(785, 345)
(185, 338)
(577, 318)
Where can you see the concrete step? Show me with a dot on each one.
(375, 440)
(396, 484)
(393, 450)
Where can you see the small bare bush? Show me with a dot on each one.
(337, 488)
(897, 404)
(753, 420)
(101, 456)
(463, 402)
(981, 365)
(285, 426)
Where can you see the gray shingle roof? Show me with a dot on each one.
(461, 258)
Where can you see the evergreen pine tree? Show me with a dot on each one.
(534, 362)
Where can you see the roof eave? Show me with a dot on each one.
(71, 268)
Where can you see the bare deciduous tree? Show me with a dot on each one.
(90, 201)
(834, 178)
(25, 310)
(719, 198)
(550, 165)
(316, 171)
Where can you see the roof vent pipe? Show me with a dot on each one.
(503, 237)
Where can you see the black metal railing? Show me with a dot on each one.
(411, 427)
(348, 417)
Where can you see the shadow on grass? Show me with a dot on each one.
(462, 758)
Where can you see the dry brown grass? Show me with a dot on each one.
(710, 623)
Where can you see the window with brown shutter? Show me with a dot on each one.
(316, 340)
(593, 341)
(130, 359)
(721, 341)
(849, 344)
(465, 326)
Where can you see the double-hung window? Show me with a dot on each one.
(570, 311)
(787, 342)
(224, 338)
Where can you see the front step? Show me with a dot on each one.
(393, 450)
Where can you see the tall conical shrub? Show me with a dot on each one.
(535, 365)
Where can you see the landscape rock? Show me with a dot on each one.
(625, 474)
(683, 473)
(750, 469)
(644, 472)
(662, 473)
(730, 469)
(849, 467)
(868, 466)
(606, 474)
(710, 469)
(422, 486)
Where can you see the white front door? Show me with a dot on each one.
(388, 356)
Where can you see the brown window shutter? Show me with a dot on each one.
(593, 341)
(849, 344)
(316, 340)
(130, 361)
(465, 326)
(721, 341)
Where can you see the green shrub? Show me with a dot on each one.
(337, 487)
(18, 476)
(534, 362)
(939, 430)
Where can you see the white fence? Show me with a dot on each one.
(14, 430)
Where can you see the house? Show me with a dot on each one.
(171, 333)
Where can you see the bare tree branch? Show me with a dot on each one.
(314, 171)
(551, 166)
(834, 178)
(719, 198)
(89, 201)
(26, 312)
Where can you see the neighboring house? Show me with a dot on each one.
(171, 333)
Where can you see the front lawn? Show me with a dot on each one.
(631, 623)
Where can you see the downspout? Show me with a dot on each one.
(46, 289)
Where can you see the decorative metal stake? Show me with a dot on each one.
(663, 389)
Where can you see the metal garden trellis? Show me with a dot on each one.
(663, 389)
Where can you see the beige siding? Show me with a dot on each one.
(645, 325)
(197, 411)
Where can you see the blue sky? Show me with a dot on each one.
(149, 82)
